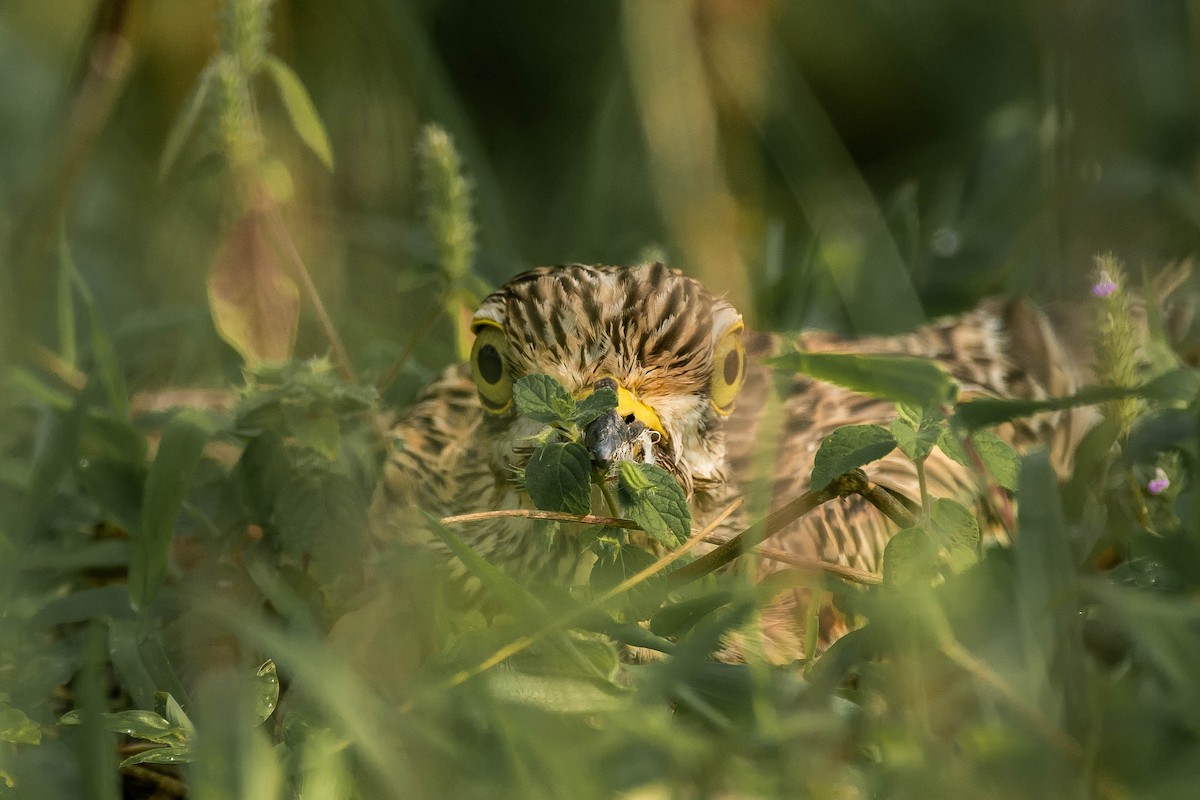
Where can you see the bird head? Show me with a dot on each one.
(670, 349)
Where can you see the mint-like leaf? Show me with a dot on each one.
(847, 448)
(653, 499)
(595, 404)
(542, 398)
(558, 478)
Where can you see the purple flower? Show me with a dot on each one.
(1159, 483)
(1105, 286)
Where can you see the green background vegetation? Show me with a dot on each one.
(851, 164)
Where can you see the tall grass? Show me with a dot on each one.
(244, 213)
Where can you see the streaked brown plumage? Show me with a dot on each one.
(655, 331)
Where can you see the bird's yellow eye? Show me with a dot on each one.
(489, 368)
(729, 370)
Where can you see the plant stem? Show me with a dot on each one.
(609, 496)
(921, 481)
(289, 245)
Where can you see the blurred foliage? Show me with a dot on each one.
(168, 167)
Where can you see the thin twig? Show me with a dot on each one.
(810, 564)
(166, 783)
(530, 513)
(430, 317)
(289, 245)
(889, 502)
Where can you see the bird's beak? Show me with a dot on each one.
(614, 431)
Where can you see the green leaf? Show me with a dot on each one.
(988, 411)
(1177, 386)
(616, 562)
(558, 694)
(185, 122)
(847, 448)
(103, 355)
(179, 451)
(916, 381)
(313, 426)
(916, 442)
(59, 451)
(909, 558)
(1046, 576)
(266, 691)
(558, 477)
(655, 501)
(955, 528)
(679, 618)
(320, 513)
(162, 755)
(594, 405)
(103, 601)
(542, 398)
(999, 457)
(300, 108)
(168, 707)
(17, 728)
(138, 724)
(136, 650)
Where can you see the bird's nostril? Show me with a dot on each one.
(629, 418)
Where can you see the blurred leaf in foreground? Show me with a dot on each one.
(255, 303)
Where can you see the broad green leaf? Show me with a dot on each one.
(909, 558)
(136, 649)
(616, 562)
(255, 303)
(138, 724)
(17, 728)
(161, 755)
(996, 455)
(655, 501)
(679, 618)
(185, 122)
(266, 691)
(955, 529)
(916, 381)
(300, 109)
(179, 451)
(558, 694)
(314, 427)
(261, 473)
(916, 442)
(558, 477)
(591, 407)
(847, 448)
(320, 513)
(542, 398)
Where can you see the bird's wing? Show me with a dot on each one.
(1002, 349)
